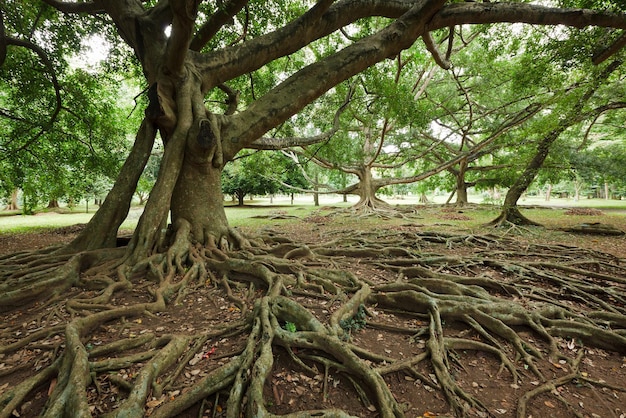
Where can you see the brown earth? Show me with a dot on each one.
(585, 382)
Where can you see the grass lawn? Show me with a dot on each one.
(253, 213)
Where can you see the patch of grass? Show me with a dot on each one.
(32, 223)
(428, 216)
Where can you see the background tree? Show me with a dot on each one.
(576, 108)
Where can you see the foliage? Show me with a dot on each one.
(355, 323)
(261, 173)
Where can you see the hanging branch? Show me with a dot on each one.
(442, 61)
(606, 53)
(233, 98)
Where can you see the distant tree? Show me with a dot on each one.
(587, 98)
(84, 147)
(148, 178)
(251, 174)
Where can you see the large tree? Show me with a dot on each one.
(218, 77)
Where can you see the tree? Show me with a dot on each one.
(148, 178)
(576, 110)
(249, 175)
(79, 150)
(218, 76)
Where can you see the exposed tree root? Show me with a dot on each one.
(105, 349)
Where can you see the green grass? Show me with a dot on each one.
(248, 216)
(13, 222)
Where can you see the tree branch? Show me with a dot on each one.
(273, 144)
(321, 20)
(184, 16)
(442, 61)
(221, 17)
(308, 84)
(606, 53)
(6, 41)
(90, 7)
(482, 13)
(3, 41)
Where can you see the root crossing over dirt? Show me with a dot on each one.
(391, 323)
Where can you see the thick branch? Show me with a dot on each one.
(90, 7)
(606, 53)
(273, 144)
(311, 82)
(184, 15)
(226, 64)
(481, 13)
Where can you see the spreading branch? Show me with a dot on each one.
(223, 16)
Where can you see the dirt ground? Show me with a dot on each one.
(598, 388)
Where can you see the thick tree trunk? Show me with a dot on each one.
(198, 200)
(367, 192)
(316, 196)
(510, 212)
(461, 185)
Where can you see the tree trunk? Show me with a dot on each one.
(240, 197)
(198, 200)
(607, 194)
(367, 191)
(461, 185)
(510, 212)
(548, 192)
(13, 201)
(316, 196)
(53, 204)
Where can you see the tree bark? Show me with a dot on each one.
(198, 199)
(366, 191)
(461, 185)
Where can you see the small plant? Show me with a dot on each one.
(290, 326)
(356, 323)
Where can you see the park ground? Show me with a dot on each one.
(598, 388)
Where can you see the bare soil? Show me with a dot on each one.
(585, 382)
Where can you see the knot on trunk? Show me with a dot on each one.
(206, 137)
(205, 140)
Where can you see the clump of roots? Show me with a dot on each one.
(299, 300)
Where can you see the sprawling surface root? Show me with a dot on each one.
(106, 344)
